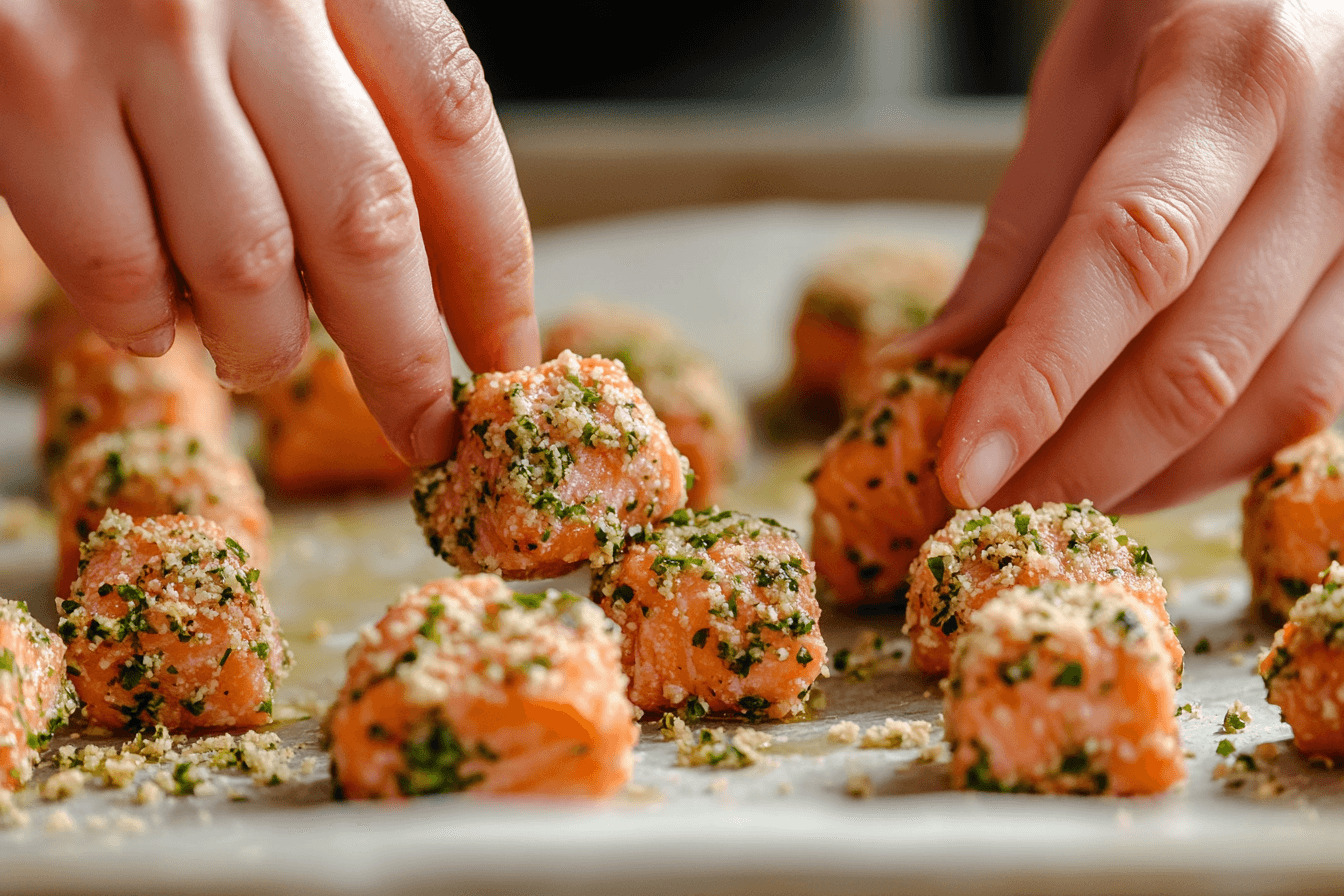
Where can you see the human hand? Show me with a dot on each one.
(1158, 294)
(256, 151)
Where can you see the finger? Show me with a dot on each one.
(219, 206)
(1075, 107)
(76, 188)
(415, 62)
(1297, 391)
(1178, 377)
(354, 220)
(1145, 218)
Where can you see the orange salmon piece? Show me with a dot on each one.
(705, 419)
(93, 389)
(861, 294)
(168, 625)
(319, 438)
(35, 697)
(1293, 521)
(554, 464)
(465, 685)
(1064, 689)
(877, 496)
(980, 554)
(719, 614)
(1304, 668)
(152, 471)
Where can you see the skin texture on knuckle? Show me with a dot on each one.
(1186, 393)
(1313, 402)
(116, 275)
(255, 264)
(459, 107)
(1150, 241)
(376, 219)
(175, 24)
(1253, 57)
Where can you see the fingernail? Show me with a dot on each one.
(152, 344)
(986, 468)
(433, 435)
(520, 345)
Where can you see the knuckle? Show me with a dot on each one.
(1312, 404)
(170, 22)
(256, 265)
(376, 218)
(1253, 56)
(460, 107)
(1047, 390)
(1187, 393)
(120, 275)
(1151, 244)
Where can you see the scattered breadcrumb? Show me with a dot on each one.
(260, 754)
(1267, 752)
(845, 732)
(59, 822)
(718, 785)
(859, 786)
(63, 785)
(320, 630)
(714, 746)
(870, 655)
(936, 752)
(1237, 717)
(11, 816)
(1243, 771)
(1192, 710)
(129, 824)
(20, 518)
(894, 735)
(148, 794)
(785, 788)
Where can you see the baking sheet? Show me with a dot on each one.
(787, 825)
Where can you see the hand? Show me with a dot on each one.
(255, 152)
(1159, 290)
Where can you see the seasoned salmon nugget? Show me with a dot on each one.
(719, 615)
(35, 697)
(1304, 667)
(554, 464)
(94, 389)
(465, 685)
(319, 437)
(980, 554)
(152, 471)
(1064, 689)
(1293, 521)
(860, 294)
(167, 624)
(704, 418)
(877, 496)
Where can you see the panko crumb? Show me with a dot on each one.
(785, 788)
(895, 735)
(11, 816)
(63, 785)
(938, 752)
(60, 822)
(21, 518)
(147, 794)
(129, 824)
(870, 655)
(1190, 710)
(1251, 773)
(1238, 715)
(859, 786)
(320, 630)
(718, 785)
(714, 746)
(845, 732)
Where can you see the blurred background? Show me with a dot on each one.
(614, 108)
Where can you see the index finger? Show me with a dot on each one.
(1144, 220)
(415, 62)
